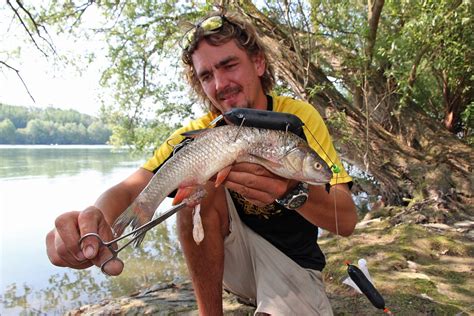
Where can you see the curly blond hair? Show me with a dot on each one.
(233, 28)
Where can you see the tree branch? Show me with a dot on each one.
(19, 76)
(26, 28)
(80, 11)
(375, 10)
(37, 26)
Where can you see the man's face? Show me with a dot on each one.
(229, 77)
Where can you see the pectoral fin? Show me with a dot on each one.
(222, 175)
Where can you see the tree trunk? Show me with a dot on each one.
(421, 162)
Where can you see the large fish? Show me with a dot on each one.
(213, 152)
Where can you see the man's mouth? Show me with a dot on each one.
(228, 93)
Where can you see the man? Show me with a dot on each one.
(256, 245)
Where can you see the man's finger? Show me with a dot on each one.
(89, 221)
(273, 187)
(252, 168)
(67, 237)
(250, 194)
(60, 256)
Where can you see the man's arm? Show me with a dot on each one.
(62, 242)
(116, 199)
(334, 211)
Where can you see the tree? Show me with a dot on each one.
(50, 126)
(7, 132)
(407, 150)
(397, 101)
(98, 133)
(18, 115)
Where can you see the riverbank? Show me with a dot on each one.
(420, 269)
(162, 299)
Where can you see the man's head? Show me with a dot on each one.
(226, 63)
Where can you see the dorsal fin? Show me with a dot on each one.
(195, 133)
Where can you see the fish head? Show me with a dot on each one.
(304, 164)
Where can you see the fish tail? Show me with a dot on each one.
(135, 218)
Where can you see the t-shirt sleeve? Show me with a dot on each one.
(317, 135)
(165, 150)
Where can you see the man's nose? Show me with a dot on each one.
(221, 80)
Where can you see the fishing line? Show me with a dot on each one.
(355, 274)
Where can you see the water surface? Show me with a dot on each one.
(38, 183)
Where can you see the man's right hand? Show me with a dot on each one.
(62, 243)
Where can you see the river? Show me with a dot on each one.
(38, 183)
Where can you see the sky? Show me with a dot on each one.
(61, 86)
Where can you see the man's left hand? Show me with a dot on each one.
(256, 184)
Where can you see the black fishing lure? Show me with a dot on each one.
(266, 119)
(366, 287)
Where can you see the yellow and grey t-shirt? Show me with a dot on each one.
(285, 229)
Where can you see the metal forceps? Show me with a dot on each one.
(138, 231)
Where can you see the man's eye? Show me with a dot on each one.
(205, 78)
(230, 66)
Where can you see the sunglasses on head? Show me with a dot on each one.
(208, 25)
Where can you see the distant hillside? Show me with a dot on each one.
(30, 125)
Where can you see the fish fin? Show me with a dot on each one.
(191, 195)
(122, 221)
(135, 216)
(222, 175)
(181, 194)
(195, 133)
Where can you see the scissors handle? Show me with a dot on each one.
(138, 233)
(108, 244)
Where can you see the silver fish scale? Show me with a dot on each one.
(210, 152)
(271, 144)
(193, 164)
(213, 151)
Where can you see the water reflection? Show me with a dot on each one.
(52, 161)
(37, 183)
(159, 259)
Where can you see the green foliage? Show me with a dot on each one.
(148, 98)
(7, 131)
(440, 32)
(21, 125)
(425, 47)
(468, 120)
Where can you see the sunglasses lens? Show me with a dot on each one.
(188, 38)
(208, 25)
(212, 23)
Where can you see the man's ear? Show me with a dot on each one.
(260, 64)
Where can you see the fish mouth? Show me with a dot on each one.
(317, 182)
(300, 176)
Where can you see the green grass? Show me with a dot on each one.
(439, 282)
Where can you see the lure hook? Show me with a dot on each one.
(240, 127)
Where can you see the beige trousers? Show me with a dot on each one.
(262, 275)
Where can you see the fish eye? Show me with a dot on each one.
(318, 166)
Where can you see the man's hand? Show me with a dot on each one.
(62, 243)
(256, 184)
